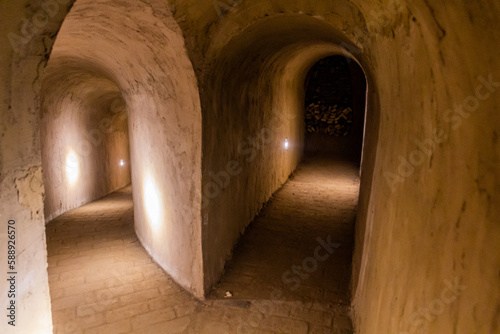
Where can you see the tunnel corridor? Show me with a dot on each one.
(298, 250)
(290, 272)
(244, 216)
(135, 267)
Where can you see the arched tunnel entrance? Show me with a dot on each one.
(256, 85)
(85, 138)
(299, 248)
(295, 248)
(117, 108)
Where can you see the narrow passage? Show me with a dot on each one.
(289, 274)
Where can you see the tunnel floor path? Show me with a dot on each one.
(289, 273)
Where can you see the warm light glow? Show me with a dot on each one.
(152, 202)
(72, 167)
(285, 144)
(122, 163)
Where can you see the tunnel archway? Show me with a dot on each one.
(256, 85)
(103, 71)
(84, 136)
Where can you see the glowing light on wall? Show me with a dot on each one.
(72, 167)
(122, 163)
(285, 144)
(152, 202)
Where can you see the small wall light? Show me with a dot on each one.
(122, 163)
(72, 167)
(285, 144)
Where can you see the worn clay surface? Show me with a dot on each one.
(427, 216)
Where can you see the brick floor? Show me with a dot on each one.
(289, 273)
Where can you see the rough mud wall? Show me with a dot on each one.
(433, 221)
(84, 136)
(245, 159)
(137, 46)
(431, 257)
(27, 33)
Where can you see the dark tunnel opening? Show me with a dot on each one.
(334, 109)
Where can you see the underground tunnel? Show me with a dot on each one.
(85, 140)
(250, 166)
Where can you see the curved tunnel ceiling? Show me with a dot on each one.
(83, 81)
(279, 48)
(280, 38)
